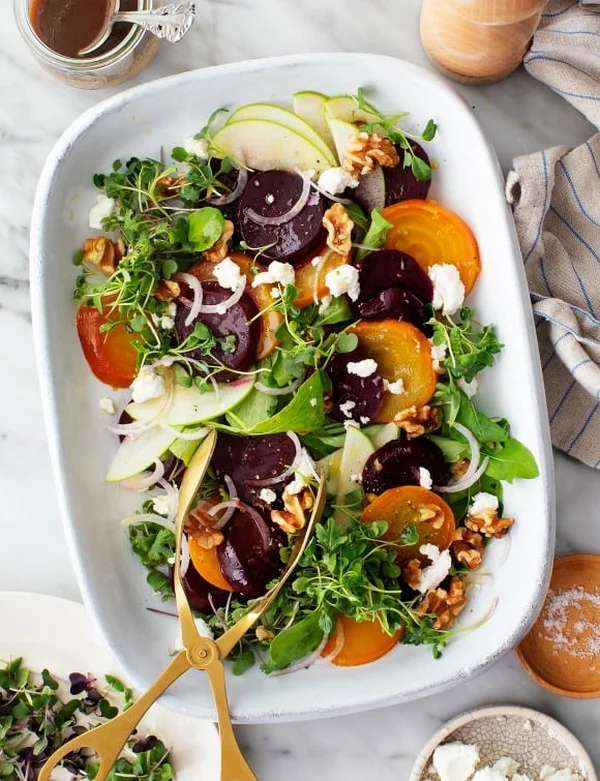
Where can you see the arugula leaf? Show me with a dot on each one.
(254, 409)
(184, 449)
(295, 643)
(513, 460)
(304, 413)
(453, 449)
(338, 311)
(484, 429)
(205, 228)
(359, 218)
(376, 234)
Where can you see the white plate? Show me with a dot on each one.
(468, 179)
(58, 635)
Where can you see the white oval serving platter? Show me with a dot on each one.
(468, 179)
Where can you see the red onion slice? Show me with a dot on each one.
(474, 471)
(196, 287)
(259, 219)
(173, 494)
(286, 473)
(220, 309)
(188, 436)
(224, 200)
(278, 391)
(144, 481)
(136, 518)
(339, 643)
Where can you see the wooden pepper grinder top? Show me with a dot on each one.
(478, 41)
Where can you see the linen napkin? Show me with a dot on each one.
(555, 195)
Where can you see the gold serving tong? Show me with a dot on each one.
(201, 653)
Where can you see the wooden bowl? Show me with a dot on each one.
(562, 650)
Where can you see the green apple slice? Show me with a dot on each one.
(341, 132)
(310, 106)
(271, 113)
(386, 434)
(135, 455)
(357, 449)
(191, 405)
(330, 466)
(346, 108)
(265, 145)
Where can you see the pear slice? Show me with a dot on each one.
(346, 108)
(310, 106)
(135, 455)
(330, 466)
(386, 434)
(190, 405)
(271, 113)
(265, 145)
(342, 131)
(357, 449)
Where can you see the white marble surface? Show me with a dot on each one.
(518, 114)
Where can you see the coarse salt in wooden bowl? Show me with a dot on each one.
(562, 650)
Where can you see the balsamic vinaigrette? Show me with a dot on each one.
(67, 26)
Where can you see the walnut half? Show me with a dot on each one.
(416, 421)
(365, 150)
(292, 519)
(488, 523)
(199, 527)
(103, 253)
(468, 548)
(445, 604)
(339, 226)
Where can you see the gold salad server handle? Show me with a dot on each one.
(201, 653)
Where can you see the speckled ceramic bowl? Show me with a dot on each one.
(528, 736)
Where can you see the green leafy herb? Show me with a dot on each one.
(294, 643)
(205, 228)
(376, 234)
(511, 461)
(388, 125)
(471, 347)
(304, 413)
(154, 545)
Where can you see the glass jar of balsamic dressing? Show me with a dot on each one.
(56, 30)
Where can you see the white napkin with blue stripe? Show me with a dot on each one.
(555, 196)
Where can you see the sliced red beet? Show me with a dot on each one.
(198, 591)
(272, 194)
(253, 458)
(389, 268)
(249, 556)
(400, 182)
(235, 321)
(353, 398)
(398, 462)
(394, 303)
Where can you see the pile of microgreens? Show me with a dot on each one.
(35, 720)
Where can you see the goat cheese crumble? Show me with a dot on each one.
(395, 388)
(343, 279)
(347, 407)
(304, 469)
(278, 273)
(425, 480)
(335, 180)
(104, 207)
(364, 368)
(438, 353)
(483, 501)
(267, 495)
(228, 274)
(470, 388)
(198, 147)
(161, 504)
(107, 405)
(432, 576)
(149, 384)
(448, 289)
(455, 761)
